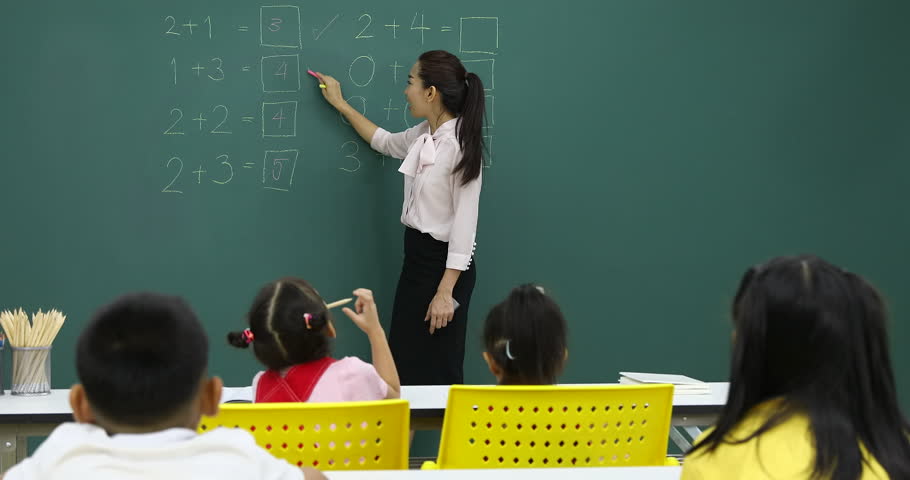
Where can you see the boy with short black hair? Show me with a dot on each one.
(142, 363)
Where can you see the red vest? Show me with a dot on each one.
(296, 386)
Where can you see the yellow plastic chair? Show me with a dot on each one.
(555, 426)
(328, 436)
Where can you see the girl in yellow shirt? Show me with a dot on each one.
(812, 391)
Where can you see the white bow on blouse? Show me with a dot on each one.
(421, 154)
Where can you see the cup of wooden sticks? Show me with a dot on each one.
(31, 346)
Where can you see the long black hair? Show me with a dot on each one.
(281, 335)
(463, 96)
(815, 337)
(526, 336)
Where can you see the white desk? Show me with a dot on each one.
(593, 473)
(23, 417)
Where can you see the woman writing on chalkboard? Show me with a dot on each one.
(442, 161)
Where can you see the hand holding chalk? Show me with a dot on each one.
(331, 89)
(321, 85)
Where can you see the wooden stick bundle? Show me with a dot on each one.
(30, 374)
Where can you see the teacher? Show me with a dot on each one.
(442, 162)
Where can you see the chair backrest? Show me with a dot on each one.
(555, 426)
(329, 436)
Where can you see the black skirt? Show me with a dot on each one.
(421, 358)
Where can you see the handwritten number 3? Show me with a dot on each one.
(275, 25)
(220, 71)
(352, 156)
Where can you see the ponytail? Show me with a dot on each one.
(470, 129)
(463, 96)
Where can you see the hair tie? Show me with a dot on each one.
(306, 318)
(508, 352)
(466, 84)
(247, 336)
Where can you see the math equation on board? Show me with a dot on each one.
(280, 73)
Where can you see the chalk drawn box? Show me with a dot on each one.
(279, 26)
(279, 119)
(280, 73)
(485, 69)
(479, 35)
(278, 167)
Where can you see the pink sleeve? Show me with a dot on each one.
(361, 381)
(396, 145)
(466, 199)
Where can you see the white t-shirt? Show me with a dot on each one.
(78, 450)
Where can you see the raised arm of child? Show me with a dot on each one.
(366, 318)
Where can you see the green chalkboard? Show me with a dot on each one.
(642, 155)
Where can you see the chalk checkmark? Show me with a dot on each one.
(318, 34)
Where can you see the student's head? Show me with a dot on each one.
(806, 329)
(289, 324)
(814, 336)
(525, 337)
(142, 366)
(438, 84)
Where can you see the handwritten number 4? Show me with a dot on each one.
(279, 116)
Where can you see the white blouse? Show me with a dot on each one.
(435, 201)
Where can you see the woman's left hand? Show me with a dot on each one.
(441, 311)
